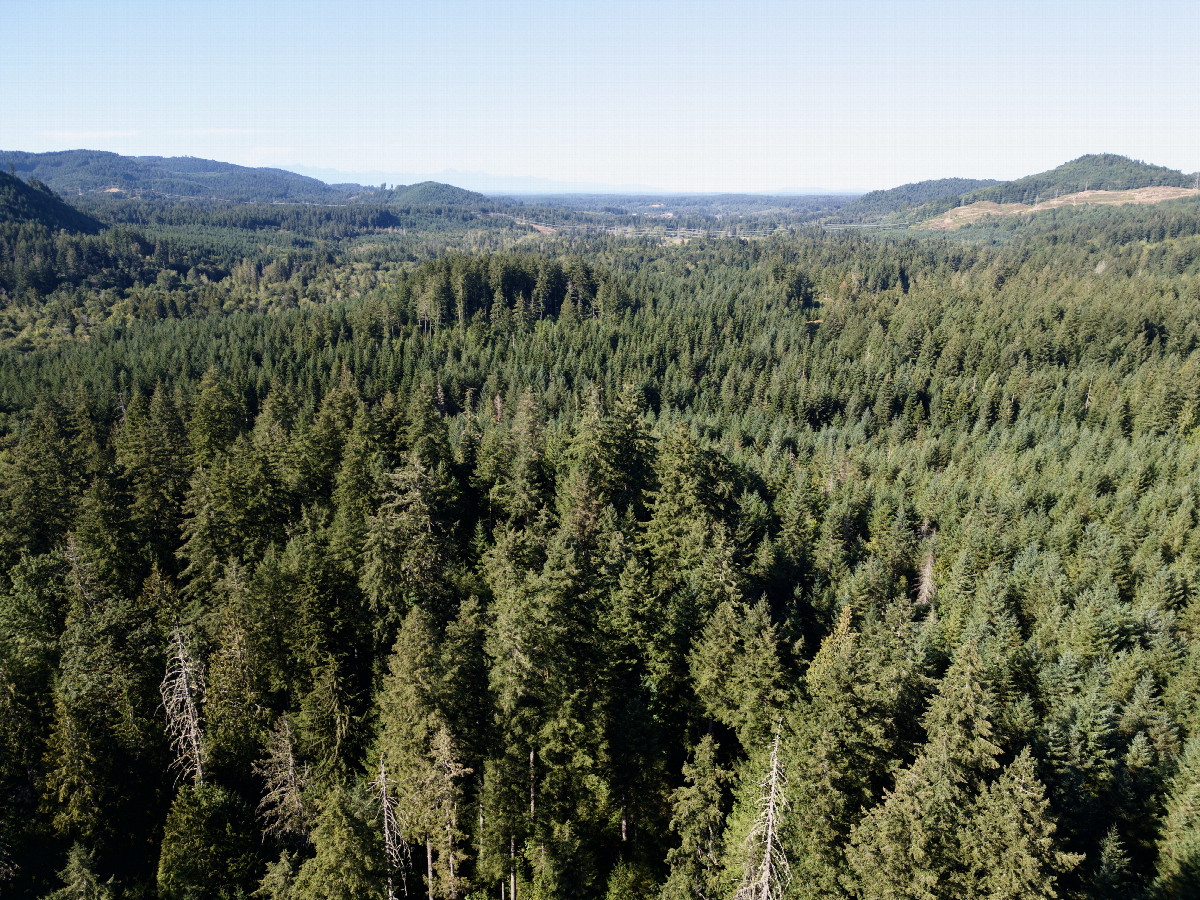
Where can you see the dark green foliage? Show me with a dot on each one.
(862, 692)
(1096, 171)
(35, 203)
(79, 171)
(876, 204)
(347, 860)
(208, 846)
(505, 564)
(699, 807)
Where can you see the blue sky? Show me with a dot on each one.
(704, 96)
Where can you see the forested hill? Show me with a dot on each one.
(93, 171)
(34, 203)
(1097, 172)
(876, 204)
(431, 193)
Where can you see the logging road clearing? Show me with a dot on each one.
(974, 212)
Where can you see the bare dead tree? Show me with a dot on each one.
(181, 690)
(767, 873)
(396, 851)
(927, 587)
(8, 695)
(283, 807)
(443, 794)
(81, 573)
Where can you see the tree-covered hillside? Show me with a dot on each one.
(161, 257)
(877, 204)
(925, 199)
(94, 171)
(36, 205)
(561, 566)
(431, 193)
(1097, 172)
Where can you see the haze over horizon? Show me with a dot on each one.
(762, 97)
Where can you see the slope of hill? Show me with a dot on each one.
(95, 171)
(431, 193)
(876, 204)
(1096, 171)
(971, 213)
(34, 202)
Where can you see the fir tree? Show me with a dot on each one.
(699, 819)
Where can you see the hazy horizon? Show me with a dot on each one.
(498, 184)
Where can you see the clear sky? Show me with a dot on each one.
(704, 96)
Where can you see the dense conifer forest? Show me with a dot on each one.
(402, 549)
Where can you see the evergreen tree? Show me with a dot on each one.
(736, 670)
(910, 844)
(347, 863)
(216, 418)
(405, 548)
(1011, 848)
(1178, 868)
(80, 881)
(841, 741)
(152, 451)
(40, 484)
(209, 849)
(699, 820)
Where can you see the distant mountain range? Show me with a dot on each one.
(74, 172)
(95, 171)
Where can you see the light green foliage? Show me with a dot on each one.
(1011, 846)
(80, 881)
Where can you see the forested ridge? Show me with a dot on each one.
(1094, 171)
(876, 204)
(92, 171)
(33, 201)
(487, 562)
